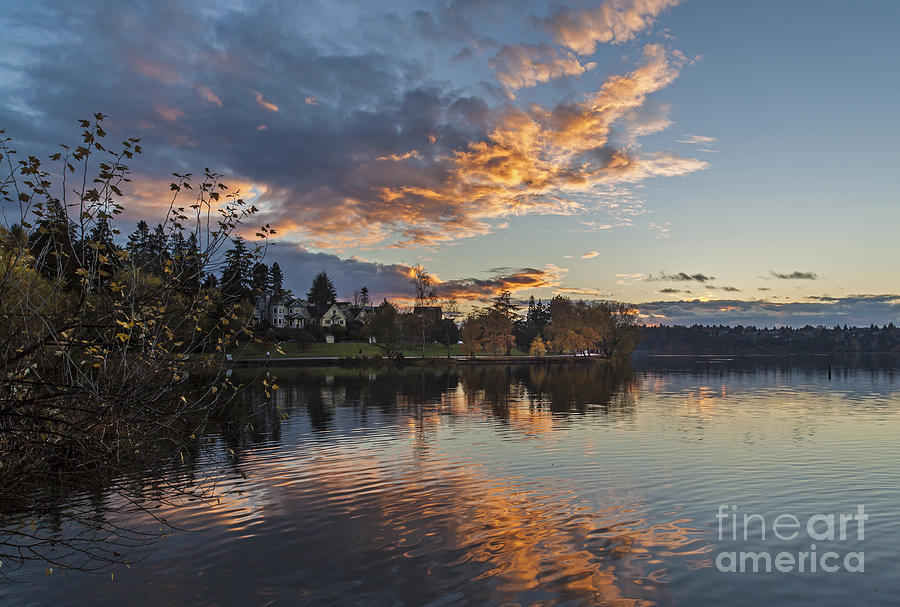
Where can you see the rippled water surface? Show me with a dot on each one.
(570, 484)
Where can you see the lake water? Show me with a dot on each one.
(496, 485)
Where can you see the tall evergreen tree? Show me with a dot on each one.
(322, 292)
(191, 273)
(158, 248)
(276, 279)
(138, 244)
(364, 296)
(236, 275)
(504, 305)
(538, 315)
(178, 246)
(102, 234)
(259, 280)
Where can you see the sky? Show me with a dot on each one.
(707, 161)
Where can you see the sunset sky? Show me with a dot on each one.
(717, 162)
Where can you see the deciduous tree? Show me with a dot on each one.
(100, 347)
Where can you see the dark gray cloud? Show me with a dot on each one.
(348, 274)
(854, 310)
(795, 275)
(348, 137)
(393, 281)
(680, 277)
(187, 77)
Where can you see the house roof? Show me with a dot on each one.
(337, 308)
(303, 313)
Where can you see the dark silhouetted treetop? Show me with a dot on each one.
(322, 292)
(236, 275)
(276, 279)
(259, 279)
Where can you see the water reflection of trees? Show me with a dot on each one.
(98, 517)
(556, 388)
(320, 391)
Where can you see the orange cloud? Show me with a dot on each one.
(522, 66)
(537, 160)
(590, 254)
(311, 101)
(612, 22)
(399, 157)
(472, 289)
(169, 114)
(208, 95)
(532, 160)
(268, 105)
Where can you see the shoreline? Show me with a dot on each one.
(326, 361)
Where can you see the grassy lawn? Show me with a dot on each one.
(342, 349)
(289, 349)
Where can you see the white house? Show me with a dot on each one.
(265, 309)
(334, 316)
(298, 316)
(280, 312)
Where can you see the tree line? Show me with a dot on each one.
(722, 339)
(609, 329)
(605, 328)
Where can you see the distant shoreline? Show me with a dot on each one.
(645, 353)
